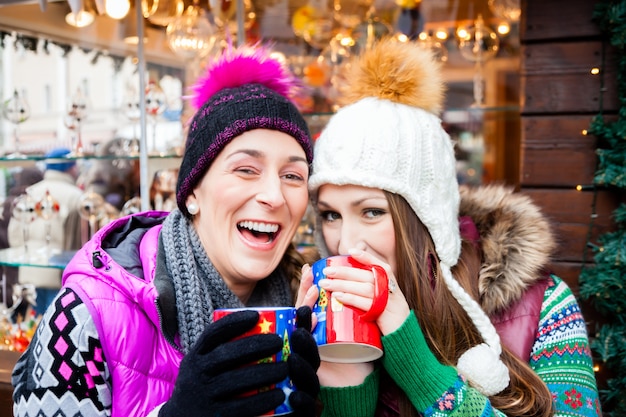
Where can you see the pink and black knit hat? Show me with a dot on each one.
(243, 89)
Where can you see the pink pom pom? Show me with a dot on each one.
(244, 65)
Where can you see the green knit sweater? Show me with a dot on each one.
(560, 356)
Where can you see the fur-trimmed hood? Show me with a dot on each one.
(515, 238)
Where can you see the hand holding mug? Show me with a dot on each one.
(217, 370)
(397, 309)
(347, 334)
(298, 351)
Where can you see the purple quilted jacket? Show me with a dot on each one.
(123, 304)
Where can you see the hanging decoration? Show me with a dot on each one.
(47, 208)
(77, 110)
(430, 42)
(314, 23)
(29, 43)
(478, 44)
(23, 210)
(191, 35)
(91, 207)
(16, 110)
(224, 13)
(350, 13)
(156, 103)
(369, 31)
(117, 9)
(80, 19)
(162, 12)
(509, 10)
(132, 110)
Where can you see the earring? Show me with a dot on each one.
(193, 208)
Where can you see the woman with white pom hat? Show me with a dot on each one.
(474, 326)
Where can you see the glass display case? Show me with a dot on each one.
(89, 96)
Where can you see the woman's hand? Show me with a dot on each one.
(356, 287)
(307, 292)
(330, 374)
(333, 374)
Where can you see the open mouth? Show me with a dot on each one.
(258, 232)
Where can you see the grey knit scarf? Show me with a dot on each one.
(199, 288)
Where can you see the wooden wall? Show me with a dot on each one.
(559, 97)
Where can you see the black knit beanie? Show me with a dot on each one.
(228, 114)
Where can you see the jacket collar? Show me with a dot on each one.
(516, 242)
(166, 300)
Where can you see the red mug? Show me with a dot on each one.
(278, 320)
(346, 334)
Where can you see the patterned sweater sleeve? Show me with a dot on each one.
(63, 371)
(561, 355)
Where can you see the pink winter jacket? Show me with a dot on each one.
(124, 306)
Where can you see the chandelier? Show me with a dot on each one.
(191, 35)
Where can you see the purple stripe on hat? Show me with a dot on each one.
(232, 100)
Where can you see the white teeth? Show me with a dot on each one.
(259, 227)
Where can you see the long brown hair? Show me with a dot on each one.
(448, 329)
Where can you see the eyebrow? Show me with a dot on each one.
(356, 203)
(258, 154)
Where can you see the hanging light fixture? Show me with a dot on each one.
(128, 30)
(162, 12)
(224, 14)
(479, 44)
(506, 9)
(191, 35)
(117, 9)
(80, 19)
(430, 42)
(81, 15)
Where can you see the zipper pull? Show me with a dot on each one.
(96, 260)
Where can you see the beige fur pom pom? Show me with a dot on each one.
(402, 72)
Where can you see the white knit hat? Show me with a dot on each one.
(389, 136)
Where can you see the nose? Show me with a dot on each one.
(351, 237)
(270, 192)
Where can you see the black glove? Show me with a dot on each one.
(303, 364)
(212, 375)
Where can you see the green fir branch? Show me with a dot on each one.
(603, 283)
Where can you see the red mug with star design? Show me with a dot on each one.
(280, 321)
(345, 334)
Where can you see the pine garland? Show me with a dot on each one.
(604, 282)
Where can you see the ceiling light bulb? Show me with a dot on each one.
(441, 34)
(191, 35)
(79, 19)
(117, 9)
(503, 28)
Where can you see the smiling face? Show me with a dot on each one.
(251, 202)
(357, 217)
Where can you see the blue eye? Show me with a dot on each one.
(329, 216)
(373, 213)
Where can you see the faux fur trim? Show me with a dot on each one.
(516, 240)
